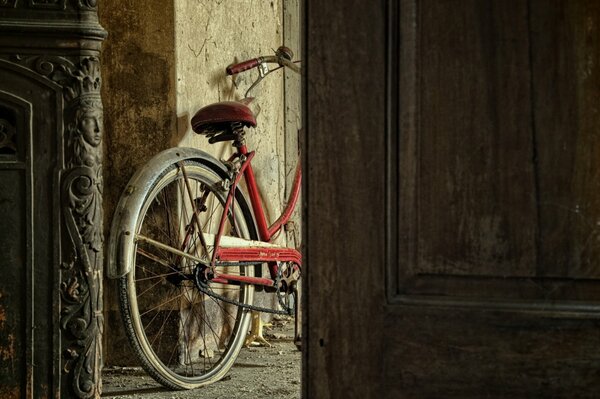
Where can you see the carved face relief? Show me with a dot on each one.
(90, 126)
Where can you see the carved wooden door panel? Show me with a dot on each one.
(15, 129)
(26, 301)
(474, 125)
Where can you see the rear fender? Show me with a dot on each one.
(120, 243)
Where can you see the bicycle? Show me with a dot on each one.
(188, 245)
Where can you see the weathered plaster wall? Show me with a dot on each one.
(211, 34)
(138, 92)
(138, 87)
(293, 110)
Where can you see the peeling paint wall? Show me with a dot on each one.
(138, 62)
(138, 93)
(211, 34)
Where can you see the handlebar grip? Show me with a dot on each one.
(242, 66)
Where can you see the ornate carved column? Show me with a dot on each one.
(50, 199)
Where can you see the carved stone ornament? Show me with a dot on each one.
(81, 192)
(81, 318)
(54, 46)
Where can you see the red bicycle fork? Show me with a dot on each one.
(255, 254)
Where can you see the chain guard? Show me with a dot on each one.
(204, 288)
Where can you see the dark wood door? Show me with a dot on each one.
(28, 154)
(453, 199)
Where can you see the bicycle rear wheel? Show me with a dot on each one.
(183, 337)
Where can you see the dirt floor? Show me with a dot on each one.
(259, 372)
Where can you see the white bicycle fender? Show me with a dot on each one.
(120, 242)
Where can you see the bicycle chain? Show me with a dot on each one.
(287, 311)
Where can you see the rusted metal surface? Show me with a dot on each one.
(9, 354)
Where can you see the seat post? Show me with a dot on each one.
(237, 129)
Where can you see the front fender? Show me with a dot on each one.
(120, 242)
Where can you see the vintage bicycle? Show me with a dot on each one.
(188, 245)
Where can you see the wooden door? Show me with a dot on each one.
(452, 217)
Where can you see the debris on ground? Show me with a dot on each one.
(259, 372)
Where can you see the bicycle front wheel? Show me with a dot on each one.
(184, 337)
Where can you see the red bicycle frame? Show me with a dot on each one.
(257, 254)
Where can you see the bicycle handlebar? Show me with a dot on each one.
(242, 66)
(283, 57)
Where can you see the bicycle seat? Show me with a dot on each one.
(220, 115)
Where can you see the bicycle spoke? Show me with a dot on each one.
(167, 248)
(149, 288)
(202, 322)
(193, 205)
(214, 333)
(188, 333)
(186, 340)
(153, 257)
(219, 304)
(161, 327)
(167, 234)
(156, 276)
(159, 305)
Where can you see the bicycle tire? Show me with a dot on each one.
(199, 337)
